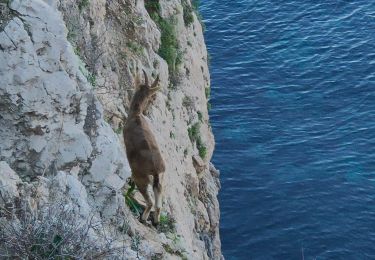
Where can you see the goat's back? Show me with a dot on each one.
(141, 147)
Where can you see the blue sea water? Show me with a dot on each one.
(293, 113)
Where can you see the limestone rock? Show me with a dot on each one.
(198, 163)
(8, 182)
(68, 70)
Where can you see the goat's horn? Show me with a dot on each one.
(136, 78)
(156, 82)
(146, 78)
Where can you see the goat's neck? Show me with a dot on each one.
(135, 114)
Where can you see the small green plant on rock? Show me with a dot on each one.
(53, 231)
(195, 136)
(207, 92)
(135, 48)
(200, 116)
(119, 130)
(169, 49)
(188, 102)
(209, 106)
(188, 11)
(202, 149)
(136, 242)
(152, 6)
(167, 224)
(91, 77)
(175, 247)
(194, 132)
(82, 4)
(134, 206)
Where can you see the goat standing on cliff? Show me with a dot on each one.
(142, 150)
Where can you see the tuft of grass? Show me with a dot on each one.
(169, 48)
(53, 231)
(167, 224)
(202, 149)
(188, 11)
(194, 132)
(209, 106)
(200, 116)
(135, 48)
(91, 77)
(207, 92)
(135, 243)
(188, 102)
(152, 6)
(175, 248)
(119, 130)
(195, 136)
(195, 4)
(172, 135)
(82, 4)
(134, 206)
(168, 249)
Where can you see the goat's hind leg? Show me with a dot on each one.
(142, 187)
(158, 193)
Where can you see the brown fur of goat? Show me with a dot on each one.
(145, 159)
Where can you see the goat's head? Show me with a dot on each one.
(144, 92)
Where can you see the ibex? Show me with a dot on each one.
(142, 150)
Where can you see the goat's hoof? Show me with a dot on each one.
(141, 220)
(154, 223)
(144, 222)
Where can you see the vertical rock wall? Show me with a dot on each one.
(68, 70)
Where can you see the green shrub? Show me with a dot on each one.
(187, 13)
(91, 77)
(134, 206)
(152, 6)
(195, 4)
(53, 231)
(207, 92)
(195, 136)
(200, 116)
(194, 132)
(119, 130)
(167, 224)
(82, 4)
(169, 49)
(169, 46)
(202, 149)
(188, 102)
(135, 48)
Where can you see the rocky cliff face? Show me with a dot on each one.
(68, 71)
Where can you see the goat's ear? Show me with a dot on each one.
(146, 78)
(156, 82)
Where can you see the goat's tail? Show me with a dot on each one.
(156, 183)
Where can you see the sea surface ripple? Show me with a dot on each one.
(293, 113)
